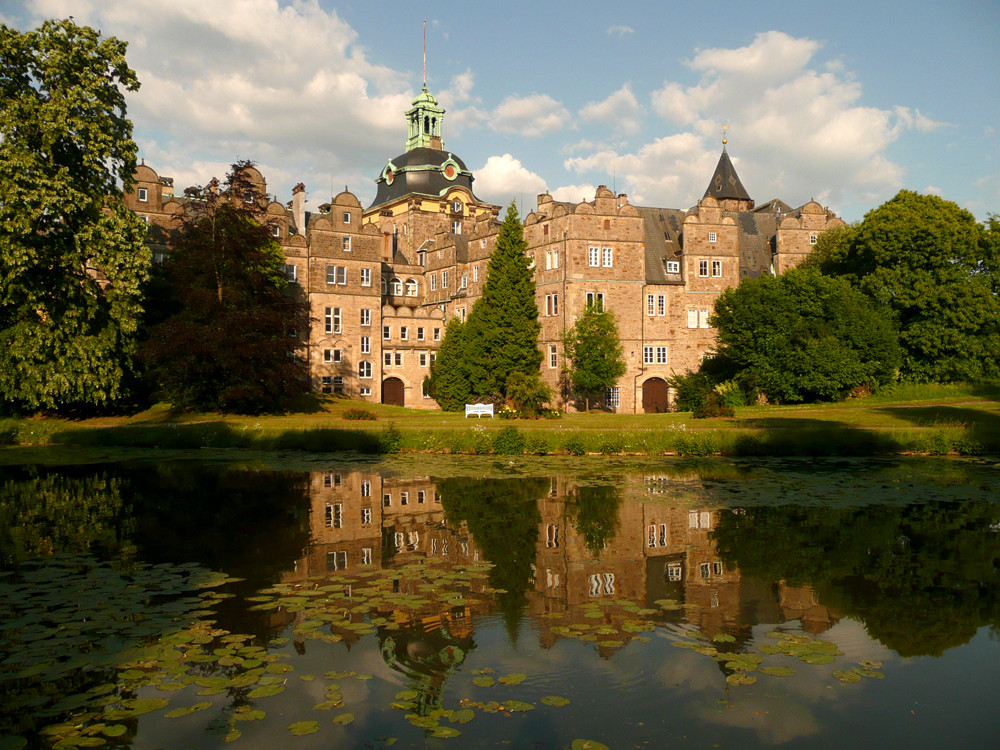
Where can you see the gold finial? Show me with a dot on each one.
(724, 139)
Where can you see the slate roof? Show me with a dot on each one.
(420, 171)
(662, 229)
(725, 182)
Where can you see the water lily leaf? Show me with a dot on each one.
(345, 718)
(778, 671)
(113, 730)
(555, 700)
(138, 706)
(770, 649)
(588, 745)
(515, 678)
(741, 678)
(250, 714)
(517, 706)
(167, 686)
(279, 668)
(483, 680)
(845, 676)
(724, 638)
(445, 732)
(817, 658)
(403, 705)
(301, 728)
(424, 722)
(463, 716)
(265, 691)
(871, 673)
(406, 695)
(870, 664)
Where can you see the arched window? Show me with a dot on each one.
(427, 124)
(411, 288)
(397, 288)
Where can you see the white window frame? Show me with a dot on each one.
(366, 344)
(647, 355)
(366, 391)
(597, 299)
(703, 268)
(386, 333)
(713, 237)
(397, 287)
(594, 257)
(692, 318)
(365, 369)
(437, 334)
(650, 304)
(411, 288)
(475, 274)
(404, 333)
(332, 319)
(366, 277)
(661, 305)
(553, 357)
(366, 316)
(607, 257)
(612, 396)
(423, 359)
(716, 269)
(703, 318)
(661, 355)
(456, 227)
(434, 282)
(328, 355)
(347, 217)
(444, 279)
(420, 333)
(673, 266)
(813, 239)
(143, 195)
(291, 272)
(347, 244)
(275, 230)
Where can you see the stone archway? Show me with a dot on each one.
(655, 397)
(393, 392)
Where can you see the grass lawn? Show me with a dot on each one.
(926, 418)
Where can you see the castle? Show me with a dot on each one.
(383, 281)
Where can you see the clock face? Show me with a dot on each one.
(449, 172)
(389, 177)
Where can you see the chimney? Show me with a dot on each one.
(299, 208)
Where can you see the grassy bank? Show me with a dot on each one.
(918, 419)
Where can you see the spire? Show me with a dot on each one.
(726, 187)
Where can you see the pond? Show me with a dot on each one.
(575, 603)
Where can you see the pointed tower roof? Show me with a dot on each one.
(726, 183)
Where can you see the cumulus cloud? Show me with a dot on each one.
(621, 110)
(530, 116)
(620, 30)
(503, 178)
(575, 193)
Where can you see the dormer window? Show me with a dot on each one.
(143, 195)
(456, 206)
(673, 266)
(276, 231)
(347, 244)
(347, 217)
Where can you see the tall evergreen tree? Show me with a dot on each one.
(72, 256)
(503, 327)
(593, 353)
(449, 377)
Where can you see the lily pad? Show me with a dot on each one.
(265, 691)
(778, 671)
(302, 728)
(847, 676)
(518, 706)
(741, 678)
(483, 680)
(445, 732)
(345, 718)
(588, 745)
(515, 678)
(555, 700)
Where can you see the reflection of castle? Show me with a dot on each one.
(657, 551)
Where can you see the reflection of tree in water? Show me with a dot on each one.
(595, 515)
(426, 655)
(503, 517)
(922, 578)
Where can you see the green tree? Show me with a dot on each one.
(503, 327)
(593, 353)
(233, 343)
(929, 262)
(72, 256)
(803, 336)
(449, 375)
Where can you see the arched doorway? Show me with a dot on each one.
(654, 396)
(393, 392)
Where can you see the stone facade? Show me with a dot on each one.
(383, 281)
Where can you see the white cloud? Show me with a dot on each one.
(575, 193)
(932, 190)
(530, 116)
(621, 109)
(503, 178)
(620, 30)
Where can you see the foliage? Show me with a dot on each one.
(504, 321)
(358, 414)
(72, 258)
(593, 353)
(232, 343)
(595, 515)
(508, 442)
(449, 376)
(575, 446)
(391, 439)
(692, 389)
(713, 405)
(937, 271)
(527, 393)
(803, 336)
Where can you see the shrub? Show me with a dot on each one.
(355, 414)
(391, 439)
(713, 406)
(537, 445)
(731, 394)
(611, 445)
(692, 390)
(527, 393)
(574, 446)
(508, 442)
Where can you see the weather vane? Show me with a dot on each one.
(724, 139)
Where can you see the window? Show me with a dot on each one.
(334, 515)
(336, 275)
(404, 498)
(332, 319)
(661, 304)
(717, 569)
(326, 383)
(444, 279)
(420, 496)
(365, 370)
(366, 516)
(366, 391)
(656, 540)
(475, 274)
(456, 227)
(291, 272)
(387, 359)
(386, 333)
(328, 355)
(347, 217)
(548, 260)
(673, 266)
(143, 195)
(812, 239)
(553, 357)
(611, 397)
(650, 304)
(703, 268)
(248, 196)
(692, 318)
(336, 560)
(716, 268)
(647, 355)
(275, 230)
(347, 244)
(399, 359)
(595, 299)
(366, 316)
(595, 256)
(607, 257)
(434, 282)
(674, 572)
(555, 259)
(703, 318)
(437, 334)
(552, 535)
(420, 334)
(463, 282)
(705, 570)
(423, 359)
(366, 488)
(404, 333)
(551, 304)
(712, 237)
(397, 288)
(366, 277)
(366, 555)
(366, 345)
(411, 288)
(661, 355)
(387, 501)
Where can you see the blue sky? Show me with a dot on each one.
(844, 102)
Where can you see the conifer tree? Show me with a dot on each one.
(72, 256)
(503, 327)
(449, 378)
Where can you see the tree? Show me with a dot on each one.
(503, 326)
(233, 342)
(594, 353)
(449, 378)
(803, 336)
(72, 256)
(929, 262)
